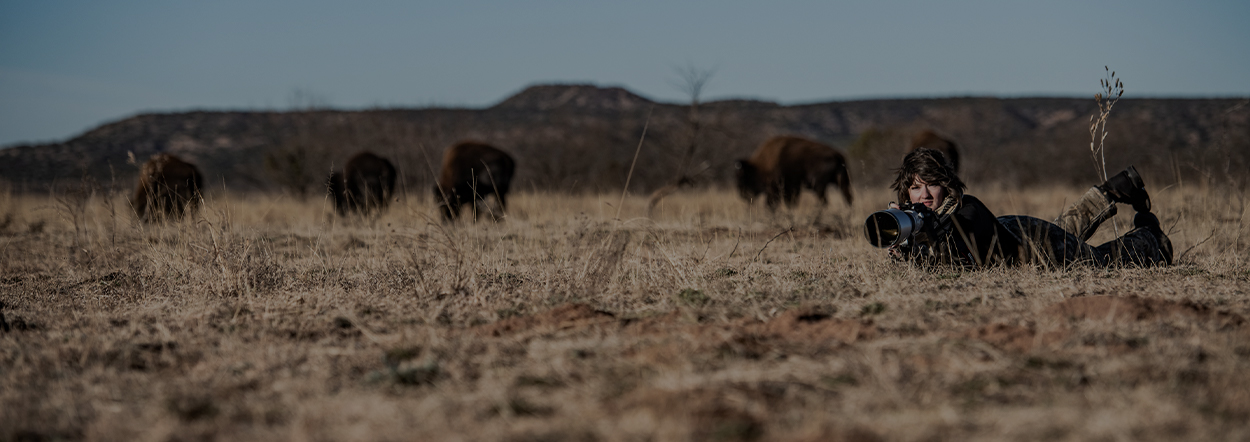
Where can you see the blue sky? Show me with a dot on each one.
(68, 66)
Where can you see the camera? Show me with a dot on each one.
(891, 227)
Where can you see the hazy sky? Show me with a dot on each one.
(67, 66)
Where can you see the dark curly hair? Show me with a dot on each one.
(931, 166)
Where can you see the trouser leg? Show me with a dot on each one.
(1047, 243)
(1137, 247)
(1083, 217)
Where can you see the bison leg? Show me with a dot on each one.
(837, 176)
(443, 200)
(182, 207)
(449, 213)
(167, 202)
(192, 201)
(453, 206)
(772, 199)
(503, 201)
(844, 183)
(791, 193)
(792, 198)
(820, 185)
(338, 193)
(481, 206)
(822, 196)
(175, 205)
(140, 203)
(377, 196)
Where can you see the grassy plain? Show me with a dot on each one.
(265, 318)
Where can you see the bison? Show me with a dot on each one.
(933, 141)
(168, 188)
(365, 186)
(783, 165)
(471, 171)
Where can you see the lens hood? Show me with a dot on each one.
(891, 227)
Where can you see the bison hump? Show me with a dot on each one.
(791, 151)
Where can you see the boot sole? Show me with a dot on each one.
(1135, 178)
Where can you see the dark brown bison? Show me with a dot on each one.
(471, 171)
(168, 188)
(783, 165)
(365, 186)
(933, 141)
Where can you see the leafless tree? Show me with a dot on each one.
(691, 80)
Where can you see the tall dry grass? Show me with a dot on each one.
(263, 318)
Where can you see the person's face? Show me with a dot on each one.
(931, 195)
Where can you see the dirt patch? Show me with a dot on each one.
(813, 324)
(803, 324)
(803, 331)
(1025, 337)
(1021, 338)
(560, 318)
(656, 325)
(1135, 308)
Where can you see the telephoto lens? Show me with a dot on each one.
(890, 227)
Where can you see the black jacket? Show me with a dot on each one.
(971, 236)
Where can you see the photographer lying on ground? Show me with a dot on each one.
(953, 228)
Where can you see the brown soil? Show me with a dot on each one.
(1021, 338)
(811, 324)
(1025, 336)
(563, 317)
(1135, 308)
(792, 325)
(808, 325)
(655, 325)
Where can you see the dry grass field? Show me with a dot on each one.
(264, 318)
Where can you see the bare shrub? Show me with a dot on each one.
(1112, 90)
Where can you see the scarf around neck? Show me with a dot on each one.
(948, 206)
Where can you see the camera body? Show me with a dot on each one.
(891, 227)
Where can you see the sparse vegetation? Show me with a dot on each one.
(583, 138)
(264, 317)
(1112, 90)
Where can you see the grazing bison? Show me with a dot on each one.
(931, 140)
(471, 171)
(783, 165)
(168, 187)
(365, 186)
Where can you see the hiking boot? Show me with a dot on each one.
(1150, 222)
(1127, 187)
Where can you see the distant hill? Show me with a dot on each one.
(583, 137)
(582, 97)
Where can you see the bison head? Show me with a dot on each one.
(168, 188)
(448, 202)
(364, 187)
(337, 187)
